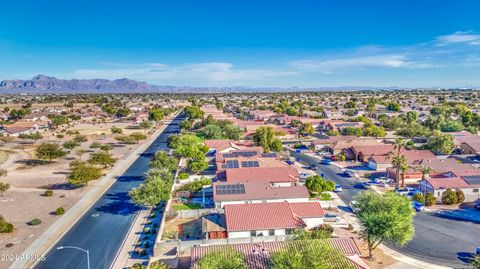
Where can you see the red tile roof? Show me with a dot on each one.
(261, 191)
(257, 255)
(266, 174)
(282, 215)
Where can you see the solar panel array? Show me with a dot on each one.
(240, 154)
(230, 189)
(231, 164)
(472, 180)
(269, 155)
(250, 164)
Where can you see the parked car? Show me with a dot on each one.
(326, 161)
(304, 175)
(348, 173)
(338, 188)
(418, 206)
(313, 166)
(353, 206)
(478, 250)
(363, 185)
(403, 192)
(331, 217)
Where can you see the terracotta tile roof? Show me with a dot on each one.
(257, 255)
(447, 182)
(413, 156)
(475, 145)
(281, 215)
(266, 174)
(261, 191)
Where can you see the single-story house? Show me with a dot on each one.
(225, 193)
(469, 185)
(269, 219)
(257, 255)
(277, 176)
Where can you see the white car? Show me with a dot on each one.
(348, 173)
(353, 206)
(304, 176)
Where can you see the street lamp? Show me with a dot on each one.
(81, 249)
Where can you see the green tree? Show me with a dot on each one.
(316, 184)
(374, 131)
(352, 131)
(70, 144)
(306, 129)
(102, 158)
(386, 216)
(193, 112)
(226, 259)
(163, 160)
(5, 227)
(47, 151)
(155, 189)
(442, 143)
(156, 114)
(319, 254)
(81, 173)
(32, 136)
(265, 137)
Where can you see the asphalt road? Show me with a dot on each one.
(105, 225)
(438, 240)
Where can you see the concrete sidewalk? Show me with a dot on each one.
(55, 232)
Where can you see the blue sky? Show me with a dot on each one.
(407, 43)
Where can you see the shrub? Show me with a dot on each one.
(60, 136)
(430, 199)
(48, 193)
(5, 227)
(449, 197)
(137, 266)
(158, 265)
(59, 211)
(183, 175)
(146, 230)
(327, 228)
(419, 198)
(196, 185)
(34, 222)
(95, 145)
(460, 196)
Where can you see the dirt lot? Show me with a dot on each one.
(29, 179)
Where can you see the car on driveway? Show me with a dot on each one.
(331, 217)
(326, 161)
(313, 166)
(418, 206)
(338, 188)
(363, 185)
(304, 176)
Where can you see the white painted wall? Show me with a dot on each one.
(238, 234)
(312, 222)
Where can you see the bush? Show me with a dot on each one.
(196, 185)
(146, 230)
(419, 198)
(48, 193)
(430, 199)
(95, 145)
(327, 228)
(60, 136)
(183, 175)
(34, 222)
(449, 197)
(460, 196)
(59, 211)
(5, 227)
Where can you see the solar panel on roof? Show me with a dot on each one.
(269, 155)
(231, 164)
(230, 189)
(472, 180)
(250, 164)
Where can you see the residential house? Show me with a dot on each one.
(277, 176)
(468, 184)
(268, 219)
(226, 193)
(257, 255)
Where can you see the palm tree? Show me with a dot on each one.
(425, 170)
(399, 144)
(399, 163)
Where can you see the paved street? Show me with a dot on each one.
(437, 240)
(103, 228)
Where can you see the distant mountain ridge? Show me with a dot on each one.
(47, 84)
(43, 83)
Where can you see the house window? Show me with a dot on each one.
(271, 232)
(288, 231)
(253, 233)
(475, 190)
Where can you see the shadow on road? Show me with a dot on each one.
(120, 204)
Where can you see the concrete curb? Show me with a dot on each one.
(409, 260)
(58, 229)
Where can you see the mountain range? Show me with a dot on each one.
(48, 84)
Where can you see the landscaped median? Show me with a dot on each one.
(48, 239)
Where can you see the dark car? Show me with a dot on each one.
(313, 166)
